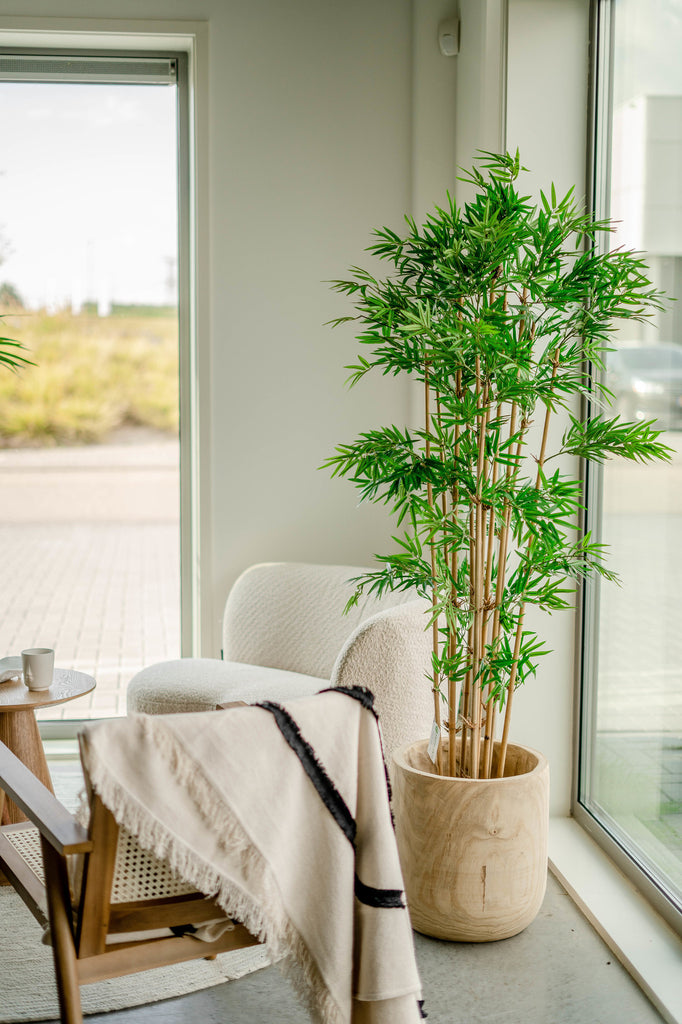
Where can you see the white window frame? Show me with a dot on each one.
(634, 867)
(188, 43)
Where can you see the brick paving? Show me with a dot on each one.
(90, 541)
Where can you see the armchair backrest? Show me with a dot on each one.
(289, 615)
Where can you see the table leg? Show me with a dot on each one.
(19, 732)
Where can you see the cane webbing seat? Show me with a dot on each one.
(26, 841)
(138, 874)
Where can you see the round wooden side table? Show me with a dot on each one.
(18, 726)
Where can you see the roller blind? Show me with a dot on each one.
(108, 70)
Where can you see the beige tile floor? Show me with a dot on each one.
(90, 541)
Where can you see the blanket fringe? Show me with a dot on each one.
(266, 919)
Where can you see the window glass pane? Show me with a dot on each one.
(632, 779)
(89, 450)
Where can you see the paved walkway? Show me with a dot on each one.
(90, 542)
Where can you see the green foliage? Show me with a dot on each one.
(10, 354)
(91, 375)
(498, 308)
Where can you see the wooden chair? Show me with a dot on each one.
(94, 885)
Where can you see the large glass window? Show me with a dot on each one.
(630, 786)
(89, 433)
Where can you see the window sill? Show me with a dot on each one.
(646, 946)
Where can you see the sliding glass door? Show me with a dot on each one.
(630, 780)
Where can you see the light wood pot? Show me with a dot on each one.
(473, 851)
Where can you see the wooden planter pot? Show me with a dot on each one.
(473, 851)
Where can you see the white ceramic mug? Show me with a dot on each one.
(38, 666)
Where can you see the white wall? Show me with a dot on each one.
(310, 150)
(481, 75)
(547, 106)
(309, 147)
(434, 94)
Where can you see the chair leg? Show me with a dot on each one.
(61, 930)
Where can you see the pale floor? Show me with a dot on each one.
(558, 971)
(91, 547)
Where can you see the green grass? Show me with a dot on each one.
(92, 375)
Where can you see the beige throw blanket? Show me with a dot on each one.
(281, 813)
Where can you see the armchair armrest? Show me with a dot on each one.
(40, 806)
(390, 654)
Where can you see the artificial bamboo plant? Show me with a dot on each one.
(10, 353)
(503, 310)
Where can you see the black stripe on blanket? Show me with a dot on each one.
(326, 789)
(359, 693)
(366, 698)
(387, 899)
(382, 899)
(182, 929)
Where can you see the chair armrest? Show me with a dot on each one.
(40, 806)
(390, 654)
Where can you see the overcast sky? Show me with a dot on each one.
(88, 202)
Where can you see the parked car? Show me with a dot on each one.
(646, 381)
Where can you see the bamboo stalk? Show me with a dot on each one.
(452, 710)
(479, 577)
(491, 527)
(476, 595)
(466, 701)
(434, 594)
(504, 742)
(490, 745)
(452, 703)
(511, 473)
(485, 569)
(488, 584)
(519, 627)
(452, 649)
(512, 469)
(452, 682)
(475, 672)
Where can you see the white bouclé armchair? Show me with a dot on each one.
(285, 635)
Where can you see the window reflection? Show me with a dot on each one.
(635, 776)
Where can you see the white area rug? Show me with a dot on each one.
(27, 984)
(28, 990)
